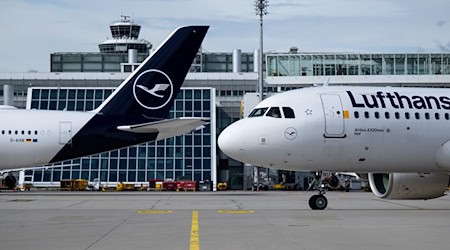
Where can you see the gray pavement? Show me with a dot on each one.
(255, 220)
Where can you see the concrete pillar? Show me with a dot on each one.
(237, 62)
(132, 56)
(256, 60)
(8, 95)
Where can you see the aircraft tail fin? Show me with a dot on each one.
(150, 90)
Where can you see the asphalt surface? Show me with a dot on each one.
(220, 220)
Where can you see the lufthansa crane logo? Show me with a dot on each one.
(153, 89)
(290, 133)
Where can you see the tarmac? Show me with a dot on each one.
(219, 220)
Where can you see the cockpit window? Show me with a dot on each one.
(274, 112)
(288, 112)
(257, 112)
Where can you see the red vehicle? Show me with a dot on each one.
(170, 185)
(187, 185)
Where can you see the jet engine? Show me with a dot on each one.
(8, 181)
(332, 181)
(408, 186)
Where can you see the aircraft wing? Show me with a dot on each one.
(168, 128)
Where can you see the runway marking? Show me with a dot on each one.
(154, 211)
(236, 212)
(195, 241)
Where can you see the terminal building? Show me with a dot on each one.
(214, 88)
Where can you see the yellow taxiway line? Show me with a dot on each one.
(195, 241)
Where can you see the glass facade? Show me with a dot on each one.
(310, 64)
(90, 62)
(190, 156)
(124, 47)
(110, 62)
(223, 62)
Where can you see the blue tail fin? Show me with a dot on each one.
(149, 92)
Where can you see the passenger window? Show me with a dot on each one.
(3, 132)
(366, 114)
(288, 113)
(257, 112)
(437, 116)
(427, 116)
(387, 115)
(274, 112)
(407, 115)
(356, 114)
(417, 116)
(377, 115)
(397, 115)
(447, 116)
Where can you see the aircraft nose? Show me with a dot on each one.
(231, 141)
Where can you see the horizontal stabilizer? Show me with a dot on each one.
(168, 128)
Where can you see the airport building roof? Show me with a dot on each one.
(18, 78)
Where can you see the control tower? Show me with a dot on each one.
(125, 37)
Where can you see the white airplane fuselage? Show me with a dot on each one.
(327, 134)
(33, 137)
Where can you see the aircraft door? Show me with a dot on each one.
(334, 116)
(65, 133)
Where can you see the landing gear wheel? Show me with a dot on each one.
(318, 202)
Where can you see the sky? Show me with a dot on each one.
(33, 29)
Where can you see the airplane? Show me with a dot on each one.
(398, 138)
(136, 112)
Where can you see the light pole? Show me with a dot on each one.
(261, 10)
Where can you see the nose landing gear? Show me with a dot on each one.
(318, 201)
